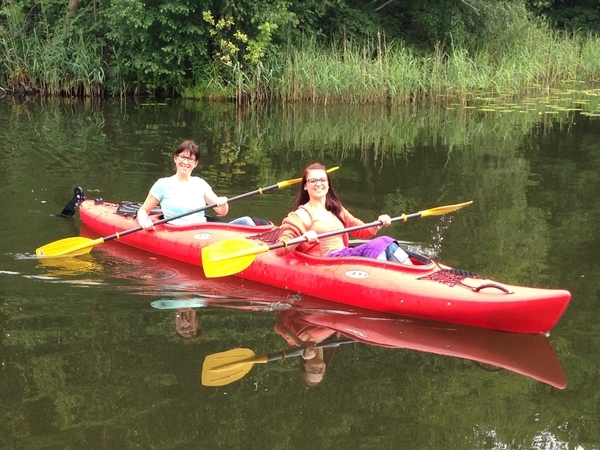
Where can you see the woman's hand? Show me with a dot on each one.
(146, 224)
(144, 221)
(309, 352)
(311, 236)
(221, 201)
(385, 220)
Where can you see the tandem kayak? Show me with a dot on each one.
(427, 289)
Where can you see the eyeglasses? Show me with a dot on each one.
(182, 158)
(314, 181)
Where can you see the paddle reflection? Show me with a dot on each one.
(316, 328)
(68, 267)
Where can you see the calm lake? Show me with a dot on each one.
(90, 356)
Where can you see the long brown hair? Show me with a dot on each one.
(332, 202)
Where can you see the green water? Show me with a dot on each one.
(86, 361)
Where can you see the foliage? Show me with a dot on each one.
(155, 42)
(41, 52)
(238, 59)
(579, 15)
(252, 51)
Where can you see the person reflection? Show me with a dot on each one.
(297, 331)
(187, 324)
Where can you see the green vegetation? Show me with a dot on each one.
(312, 51)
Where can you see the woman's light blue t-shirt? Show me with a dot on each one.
(177, 198)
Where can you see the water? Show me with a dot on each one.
(86, 360)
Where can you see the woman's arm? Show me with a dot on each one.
(365, 233)
(222, 207)
(143, 214)
(351, 221)
(296, 224)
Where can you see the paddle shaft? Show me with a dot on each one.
(257, 359)
(295, 351)
(404, 217)
(209, 258)
(234, 255)
(72, 245)
(217, 372)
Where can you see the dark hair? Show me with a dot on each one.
(189, 146)
(332, 202)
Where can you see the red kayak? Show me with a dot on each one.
(426, 289)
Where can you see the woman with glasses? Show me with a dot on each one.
(319, 210)
(182, 192)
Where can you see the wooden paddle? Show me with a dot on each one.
(226, 367)
(234, 255)
(81, 245)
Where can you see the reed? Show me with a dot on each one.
(374, 71)
(380, 72)
(53, 64)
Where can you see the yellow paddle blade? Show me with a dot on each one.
(223, 368)
(230, 256)
(443, 209)
(72, 246)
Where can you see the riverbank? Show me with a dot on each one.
(381, 72)
(373, 71)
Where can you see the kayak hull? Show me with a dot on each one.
(427, 289)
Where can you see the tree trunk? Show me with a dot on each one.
(72, 8)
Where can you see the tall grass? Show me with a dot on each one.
(376, 71)
(528, 56)
(354, 73)
(35, 59)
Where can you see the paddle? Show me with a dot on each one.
(226, 367)
(82, 245)
(234, 255)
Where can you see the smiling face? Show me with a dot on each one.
(317, 184)
(186, 157)
(185, 162)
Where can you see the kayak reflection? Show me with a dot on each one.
(322, 325)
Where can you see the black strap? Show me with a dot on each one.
(130, 209)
